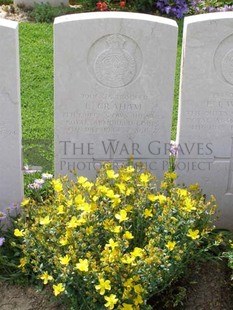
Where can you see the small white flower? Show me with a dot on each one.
(39, 181)
(46, 176)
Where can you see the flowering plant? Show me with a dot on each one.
(107, 5)
(9, 250)
(175, 8)
(228, 254)
(209, 6)
(38, 186)
(115, 242)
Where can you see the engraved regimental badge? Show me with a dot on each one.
(114, 60)
(223, 60)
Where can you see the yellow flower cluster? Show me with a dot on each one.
(112, 241)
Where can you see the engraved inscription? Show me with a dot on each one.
(114, 60)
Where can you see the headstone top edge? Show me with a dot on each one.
(208, 17)
(114, 15)
(8, 23)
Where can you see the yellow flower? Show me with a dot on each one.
(182, 192)
(111, 301)
(148, 213)
(63, 241)
(171, 175)
(194, 187)
(18, 233)
(138, 300)
(113, 244)
(73, 222)
(110, 194)
(144, 178)
(60, 209)
(89, 230)
(128, 282)
(152, 197)
(88, 185)
(128, 208)
(58, 289)
(45, 221)
(129, 191)
(126, 259)
(111, 174)
(95, 198)
(103, 285)
(46, 277)
(116, 229)
(122, 216)
(82, 180)
(137, 252)
(83, 265)
(108, 224)
(171, 245)
(138, 288)
(25, 202)
(57, 185)
(189, 205)
(79, 199)
(193, 234)
(64, 260)
(130, 169)
(162, 199)
(127, 235)
(23, 262)
(121, 187)
(85, 207)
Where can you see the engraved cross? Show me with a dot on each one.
(228, 159)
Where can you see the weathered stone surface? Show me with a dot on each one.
(114, 80)
(11, 179)
(205, 126)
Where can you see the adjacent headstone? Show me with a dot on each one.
(205, 126)
(31, 3)
(11, 178)
(114, 81)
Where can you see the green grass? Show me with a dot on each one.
(36, 61)
(177, 80)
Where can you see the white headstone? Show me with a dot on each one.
(31, 3)
(11, 178)
(205, 126)
(114, 80)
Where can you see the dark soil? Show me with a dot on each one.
(207, 286)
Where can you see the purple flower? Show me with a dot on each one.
(173, 148)
(2, 240)
(13, 209)
(39, 181)
(199, 7)
(35, 186)
(2, 216)
(175, 8)
(13, 206)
